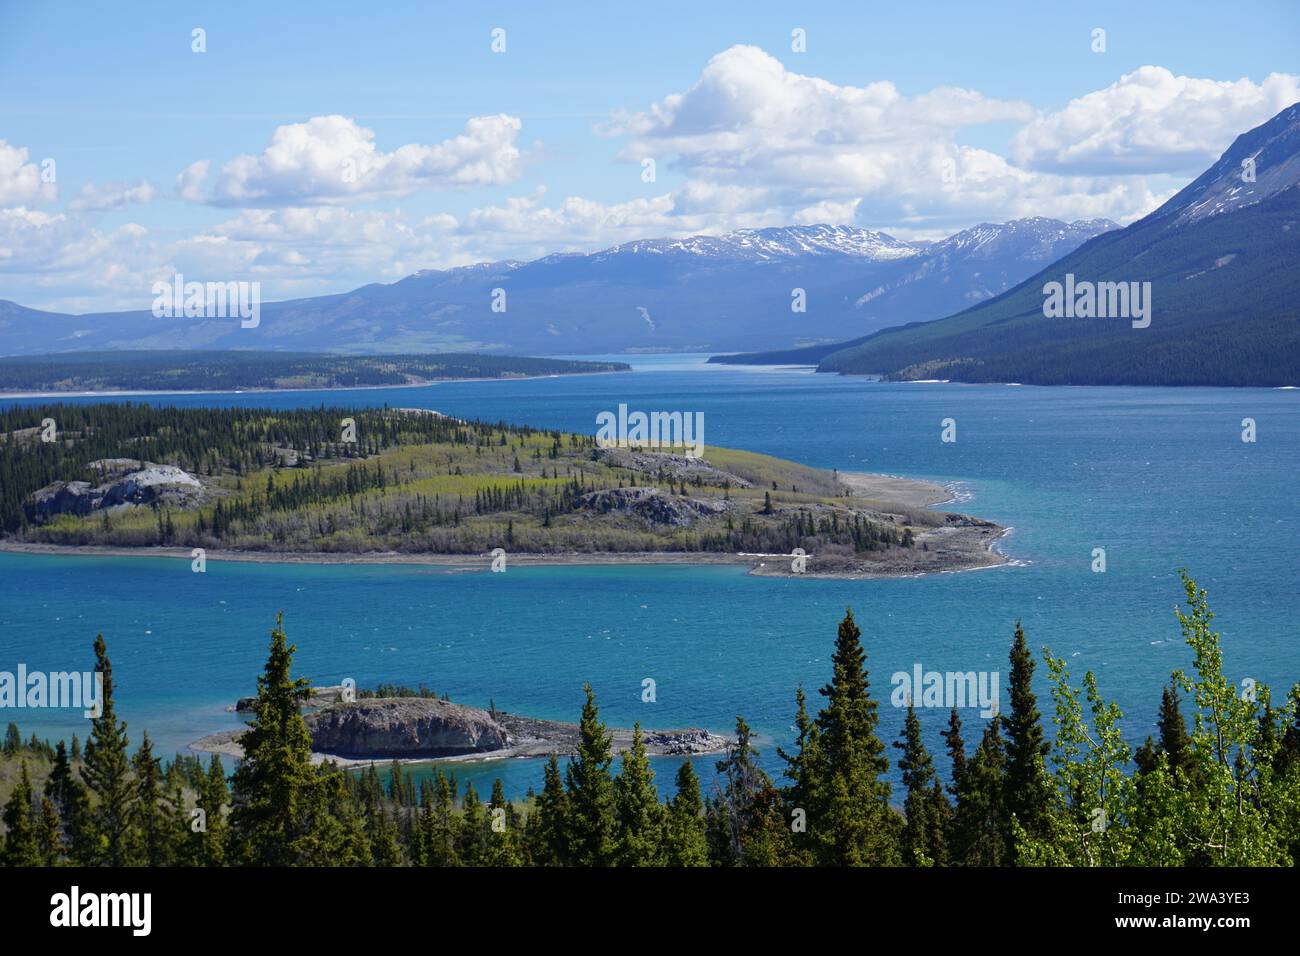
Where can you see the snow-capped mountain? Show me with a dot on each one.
(1218, 262)
(781, 242)
(732, 291)
(1257, 166)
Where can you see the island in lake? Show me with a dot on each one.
(396, 724)
(415, 486)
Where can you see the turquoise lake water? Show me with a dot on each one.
(1158, 477)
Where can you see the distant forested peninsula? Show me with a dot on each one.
(228, 370)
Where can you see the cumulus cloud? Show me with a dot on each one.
(752, 137)
(1151, 121)
(332, 159)
(21, 182)
(190, 180)
(752, 144)
(748, 122)
(97, 197)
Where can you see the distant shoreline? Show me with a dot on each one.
(311, 388)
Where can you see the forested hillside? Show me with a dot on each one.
(229, 370)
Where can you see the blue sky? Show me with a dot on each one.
(321, 148)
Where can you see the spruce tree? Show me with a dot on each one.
(471, 828)
(49, 835)
(745, 823)
(503, 837)
(981, 814)
(151, 822)
(853, 825)
(275, 813)
(548, 821)
(1288, 753)
(591, 792)
(923, 841)
(439, 825)
(106, 770)
(684, 839)
(21, 847)
(72, 805)
(638, 814)
(803, 768)
(1175, 741)
(335, 829)
(208, 842)
(1028, 790)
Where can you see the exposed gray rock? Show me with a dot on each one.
(651, 505)
(422, 728)
(679, 467)
(124, 481)
(404, 727)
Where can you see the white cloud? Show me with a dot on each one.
(331, 159)
(1150, 121)
(758, 141)
(753, 145)
(20, 181)
(100, 197)
(189, 181)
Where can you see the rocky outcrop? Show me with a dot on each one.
(423, 728)
(123, 481)
(651, 506)
(677, 467)
(404, 727)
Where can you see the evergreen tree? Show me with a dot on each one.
(802, 769)
(336, 831)
(1288, 753)
(853, 825)
(503, 838)
(107, 773)
(1028, 790)
(684, 838)
(548, 822)
(21, 847)
(152, 824)
(276, 816)
(637, 811)
(981, 815)
(745, 823)
(591, 792)
(471, 829)
(208, 841)
(923, 841)
(49, 835)
(436, 829)
(1174, 741)
(13, 740)
(72, 805)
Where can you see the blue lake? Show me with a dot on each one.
(1160, 478)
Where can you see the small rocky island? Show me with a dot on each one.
(426, 728)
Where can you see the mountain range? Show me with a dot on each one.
(703, 293)
(1222, 259)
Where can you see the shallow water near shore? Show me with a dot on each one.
(1158, 477)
